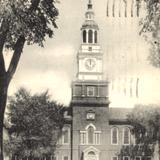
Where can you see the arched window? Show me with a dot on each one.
(84, 36)
(66, 135)
(90, 36)
(114, 135)
(126, 136)
(95, 37)
(91, 153)
(90, 135)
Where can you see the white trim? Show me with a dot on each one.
(83, 137)
(68, 130)
(112, 135)
(90, 125)
(96, 136)
(129, 136)
(97, 131)
(91, 149)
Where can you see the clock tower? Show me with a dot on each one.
(90, 87)
(89, 104)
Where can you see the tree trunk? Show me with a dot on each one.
(3, 99)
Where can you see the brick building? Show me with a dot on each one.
(93, 131)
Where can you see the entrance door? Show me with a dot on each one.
(91, 158)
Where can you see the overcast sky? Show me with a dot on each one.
(53, 67)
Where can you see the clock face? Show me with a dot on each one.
(90, 63)
(91, 116)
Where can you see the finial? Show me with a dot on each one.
(90, 4)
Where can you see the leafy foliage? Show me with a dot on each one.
(146, 129)
(151, 29)
(36, 122)
(21, 22)
(32, 19)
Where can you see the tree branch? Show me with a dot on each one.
(15, 58)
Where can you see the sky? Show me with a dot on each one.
(54, 66)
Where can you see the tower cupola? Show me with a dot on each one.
(89, 28)
(90, 87)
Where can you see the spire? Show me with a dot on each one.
(90, 4)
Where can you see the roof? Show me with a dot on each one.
(90, 24)
(119, 113)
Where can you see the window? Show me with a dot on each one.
(83, 137)
(84, 36)
(90, 135)
(115, 158)
(90, 34)
(137, 158)
(114, 135)
(95, 37)
(126, 158)
(90, 91)
(65, 158)
(126, 136)
(97, 137)
(66, 135)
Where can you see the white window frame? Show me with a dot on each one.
(64, 129)
(88, 90)
(115, 157)
(125, 157)
(129, 136)
(112, 135)
(97, 137)
(81, 137)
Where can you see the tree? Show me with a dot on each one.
(21, 21)
(36, 123)
(151, 29)
(145, 121)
